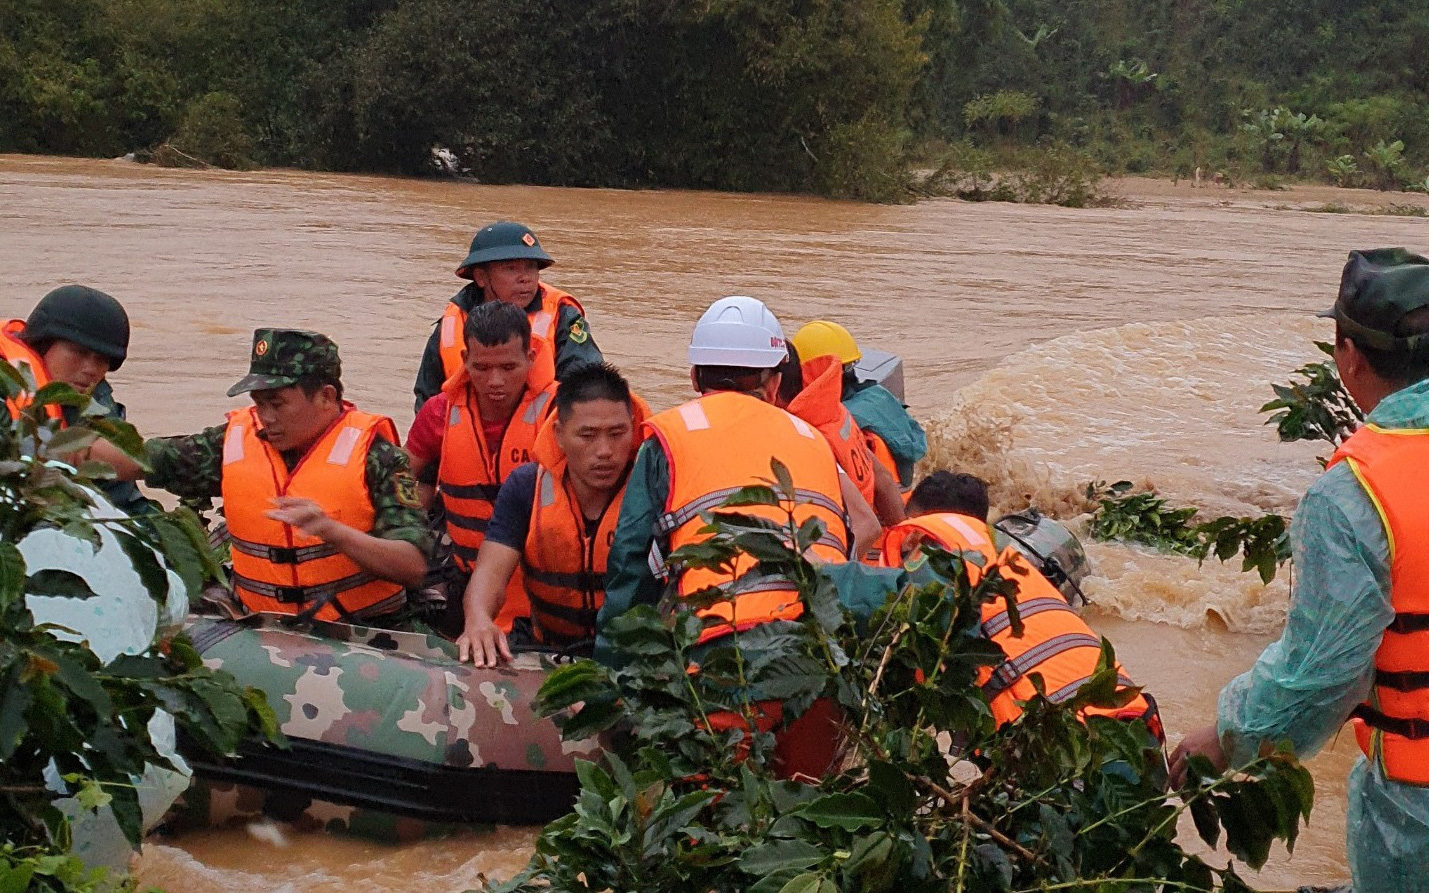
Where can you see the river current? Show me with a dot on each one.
(1044, 348)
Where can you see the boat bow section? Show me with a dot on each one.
(392, 722)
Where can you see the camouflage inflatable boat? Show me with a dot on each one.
(389, 733)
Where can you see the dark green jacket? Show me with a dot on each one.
(569, 353)
(124, 494)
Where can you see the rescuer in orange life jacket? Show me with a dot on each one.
(555, 518)
(76, 335)
(950, 511)
(695, 456)
(319, 501)
(505, 264)
(1356, 640)
(479, 429)
(896, 438)
(812, 390)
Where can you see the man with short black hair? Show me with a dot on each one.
(555, 518)
(949, 510)
(479, 429)
(949, 491)
(1356, 639)
(505, 264)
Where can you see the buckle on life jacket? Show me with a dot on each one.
(290, 595)
(282, 555)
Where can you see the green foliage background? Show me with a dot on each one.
(828, 96)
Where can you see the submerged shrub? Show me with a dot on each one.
(211, 133)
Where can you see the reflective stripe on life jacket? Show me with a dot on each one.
(716, 445)
(1055, 642)
(820, 405)
(563, 566)
(276, 567)
(470, 472)
(18, 353)
(544, 320)
(1392, 726)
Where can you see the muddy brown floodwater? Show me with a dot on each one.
(1045, 348)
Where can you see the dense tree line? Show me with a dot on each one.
(828, 96)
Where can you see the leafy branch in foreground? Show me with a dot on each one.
(61, 707)
(932, 795)
(1318, 408)
(1143, 517)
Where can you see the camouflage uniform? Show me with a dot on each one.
(192, 465)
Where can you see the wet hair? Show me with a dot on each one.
(947, 491)
(731, 378)
(592, 381)
(792, 381)
(493, 323)
(311, 384)
(1402, 368)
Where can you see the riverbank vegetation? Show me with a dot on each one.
(841, 98)
(72, 725)
(932, 796)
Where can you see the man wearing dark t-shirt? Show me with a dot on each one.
(554, 519)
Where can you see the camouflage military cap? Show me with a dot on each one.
(282, 356)
(1378, 289)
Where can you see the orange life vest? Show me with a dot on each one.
(17, 352)
(544, 320)
(1055, 642)
(276, 567)
(1392, 727)
(884, 456)
(716, 445)
(820, 404)
(564, 567)
(470, 471)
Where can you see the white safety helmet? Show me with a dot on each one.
(738, 331)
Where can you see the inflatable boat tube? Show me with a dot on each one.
(389, 723)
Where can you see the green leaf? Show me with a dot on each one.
(755, 494)
(58, 584)
(850, 812)
(783, 479)
(12, 574)
(16, 878)
(146, 565)
(15, 700)
(777, 855)
(69, 441)
(808, 882)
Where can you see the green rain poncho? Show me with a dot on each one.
(1303, 687)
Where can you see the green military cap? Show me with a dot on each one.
(282, 356)
(503, 240)
(1378, 289)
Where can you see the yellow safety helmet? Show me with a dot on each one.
(822, 338)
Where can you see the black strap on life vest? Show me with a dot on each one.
(1394, 725)
(282, 554)
(1409, 623)
(1401, 680)
(297, 595)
